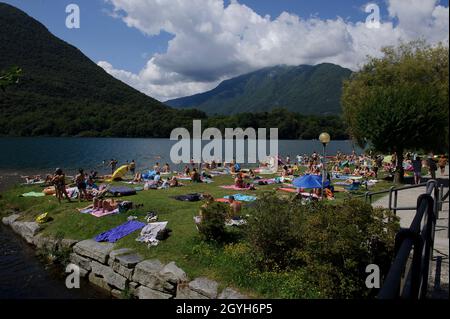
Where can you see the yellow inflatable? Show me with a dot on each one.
(120, 172)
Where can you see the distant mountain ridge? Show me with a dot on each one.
(306, 89)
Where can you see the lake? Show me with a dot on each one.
(29, 156)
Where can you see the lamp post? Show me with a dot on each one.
(324, 138)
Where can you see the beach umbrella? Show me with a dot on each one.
(309, 181)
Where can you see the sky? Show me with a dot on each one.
(174, 48)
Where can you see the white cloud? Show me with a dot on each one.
(213, 42)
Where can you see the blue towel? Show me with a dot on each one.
(242, 198)
(123, 230)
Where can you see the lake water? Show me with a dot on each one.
(28, 156)
(24, 276)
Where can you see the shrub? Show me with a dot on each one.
(212, 226)
(332, 243)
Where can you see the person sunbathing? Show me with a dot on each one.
(174, 182)
(105, 204)
(346, 170)
(138, 178)
(32, 179)
(239, 181)
(166, 168)
(187, 171)
(195, 176)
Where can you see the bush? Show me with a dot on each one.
(212, 226)
(332, 243)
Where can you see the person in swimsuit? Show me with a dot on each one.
(59, 181)
(80, 181)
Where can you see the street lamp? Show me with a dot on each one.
(324, 138)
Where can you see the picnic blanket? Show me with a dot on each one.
(189, 197)
(183, 178)
(122, 191)
(234, 187)
(223, 200)
(33, 194)
(148, 233)
(98, 213)
(242, 197)
(119, 232)
(287, 189)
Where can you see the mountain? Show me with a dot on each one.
(304, 89)
(63, 93)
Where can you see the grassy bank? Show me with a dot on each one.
(183, 246)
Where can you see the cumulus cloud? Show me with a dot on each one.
(213, 42)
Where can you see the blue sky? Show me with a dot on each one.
(173, 48)
(102, 37)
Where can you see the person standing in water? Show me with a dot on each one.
(113, 164)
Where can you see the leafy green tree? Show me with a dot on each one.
(400, 101)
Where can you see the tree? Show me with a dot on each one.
(400, 101)
(10, 77)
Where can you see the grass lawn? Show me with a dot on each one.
(183, 246)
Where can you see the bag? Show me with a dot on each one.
(163, 234)
(43, 218)
(125, 206)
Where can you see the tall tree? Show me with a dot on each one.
(399, 101)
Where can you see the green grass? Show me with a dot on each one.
(183, 246)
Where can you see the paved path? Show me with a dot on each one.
(439, 278)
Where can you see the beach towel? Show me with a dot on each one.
(98, 213)
(122, 191)
(188, 198)
(148, 233)
(234, 187)
(34, 182)
(224, 200)
(183, 178)
(33, 194)
(119, 232)
(149, 176)
(289, 190)
(242, 198)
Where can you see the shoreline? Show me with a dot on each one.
(121, 273)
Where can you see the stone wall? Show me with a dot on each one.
(122, 272)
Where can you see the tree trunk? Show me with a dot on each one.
(399, 171)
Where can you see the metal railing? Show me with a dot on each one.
(408, 275)
(431, 189)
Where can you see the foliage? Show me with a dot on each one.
(10, 77)
(212, 226)
(333, 243)
(63, 93)
(302, 89)
(400, 101)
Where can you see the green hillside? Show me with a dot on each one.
(63, 93)
(303, 89)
